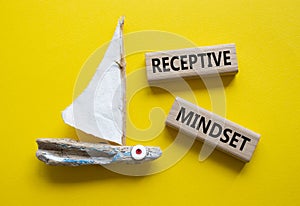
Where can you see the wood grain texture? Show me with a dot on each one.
(68, 152)
(191, 63)
(122, 66)
(229, 137)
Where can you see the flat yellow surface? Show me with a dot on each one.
(44, 45)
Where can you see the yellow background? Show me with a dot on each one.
(43, 45)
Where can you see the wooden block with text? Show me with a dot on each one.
(191, 63)
(229, 137)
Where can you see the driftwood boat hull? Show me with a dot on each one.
(68, 152)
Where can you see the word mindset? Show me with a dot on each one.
(193, 62)
(229, 136)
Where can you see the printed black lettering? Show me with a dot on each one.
(155, 65)
(192, 60)
(211, 132)
(217, 60)
(202, 122)
(233, 139)
(195, 120)
(209, 60)
(172, 63)
(226, 57)
(165, 64)
(183, 62)
(245, 139)
(226, 137)
(202, 59)
(184, 118)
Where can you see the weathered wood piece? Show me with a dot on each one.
(191, 63)
(69, 152)
(230, 137)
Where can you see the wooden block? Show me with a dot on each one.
(230, 137)
(191, 63)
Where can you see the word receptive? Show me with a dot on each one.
(229, 137)
(191, 63)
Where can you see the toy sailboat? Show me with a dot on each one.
(99, 111)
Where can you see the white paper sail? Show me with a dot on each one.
(100, 109)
